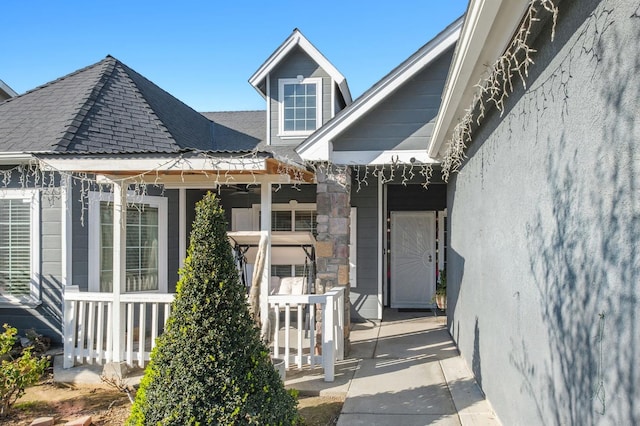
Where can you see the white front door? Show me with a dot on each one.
(413, 259)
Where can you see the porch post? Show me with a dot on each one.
(382, 263)
(265, 229)
(333, 201)
(119, 265)
(182, 232)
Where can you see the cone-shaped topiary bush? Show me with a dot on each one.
(209, 366)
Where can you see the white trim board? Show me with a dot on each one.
(298, 39)
(488, 28)
(382, 157)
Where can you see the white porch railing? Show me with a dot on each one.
(90, 327)
(332, 330)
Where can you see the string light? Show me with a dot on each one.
(498, 85)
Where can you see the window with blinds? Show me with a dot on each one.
(15, 247)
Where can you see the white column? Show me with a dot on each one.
(382, 229)
(119, 265)
(66, 230)
(265, 229)
(182, 232)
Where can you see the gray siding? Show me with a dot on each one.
(173, 237)
(405, 120)
(80, 240)
(298, 63)
(545, 229)
(364, 297)
(46, 318)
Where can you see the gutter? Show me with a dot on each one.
(15, 158)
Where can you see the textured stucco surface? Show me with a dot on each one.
(544, 223)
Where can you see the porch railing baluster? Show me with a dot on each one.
(86, 324)
(332, 332)
(142, 334)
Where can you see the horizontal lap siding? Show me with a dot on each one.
(405, 119)
(298, 63)
(50, 312)
(173, 238)
(364, 297)
(80, 241)
(45, 319)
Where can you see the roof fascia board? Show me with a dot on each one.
(318, 152)
(388, 85)
(8, 90)
(381, 157)
(156, 169)
(152, 165)
(488, 28)
(298, 39)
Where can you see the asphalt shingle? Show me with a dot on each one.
(104, 108)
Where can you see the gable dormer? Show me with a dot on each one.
(303, 90)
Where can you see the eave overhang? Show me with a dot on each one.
(298, 39)
(175, 169)
(488, 28)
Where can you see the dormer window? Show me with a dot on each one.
(300, 106)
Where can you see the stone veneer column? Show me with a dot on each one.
(333, 204)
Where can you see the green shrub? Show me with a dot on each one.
(210, 366)
(17, 370)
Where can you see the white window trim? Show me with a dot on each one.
(283, 134)
(33, 197)
(291, 206)
(161, 203)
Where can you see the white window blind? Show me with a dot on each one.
(15, 247)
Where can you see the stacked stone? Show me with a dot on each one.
(333, 205)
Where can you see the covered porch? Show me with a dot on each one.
(116, 315)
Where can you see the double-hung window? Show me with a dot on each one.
(19, 245)
(146, 244)
(300, 106)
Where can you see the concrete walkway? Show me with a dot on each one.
(410, 374)
(403, 371)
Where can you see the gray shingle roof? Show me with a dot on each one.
(104, 108)
(238, 130)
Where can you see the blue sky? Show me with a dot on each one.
(203, 52)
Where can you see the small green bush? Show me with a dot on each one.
(17, 371)
(210, 366)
